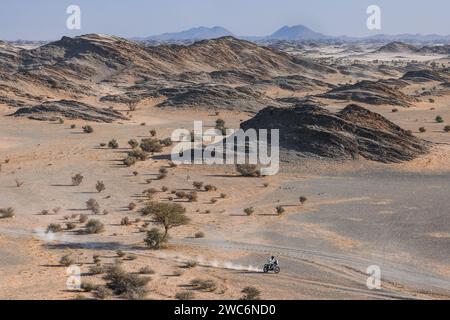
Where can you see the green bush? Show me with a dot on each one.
(251, 293)
(66, 260)
(151, 145)
(7, 213)
(94, 226)
(127, 285)
(155, 239)
(77, 179)
(88, 129)
(54, 228)
(184, 295)
(113, 144)
(248, 170)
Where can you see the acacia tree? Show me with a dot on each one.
(168, 215)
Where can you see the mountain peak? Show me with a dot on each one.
(297, 32)
(197, 33)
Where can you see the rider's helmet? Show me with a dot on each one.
(272, 257)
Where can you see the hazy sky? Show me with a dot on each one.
(46, 19)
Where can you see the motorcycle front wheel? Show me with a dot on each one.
(277, 269)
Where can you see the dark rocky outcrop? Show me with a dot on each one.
(215, 97)
(370, 92)
(53, 110)
(310, 131)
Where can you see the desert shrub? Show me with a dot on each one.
(251, 293)
(439, 119)
(213, 200)
(135, 173)
(184, 295)
(120, 253)
(127, 285)
(164, 189)
(248, 170)
(100, 186)
(192, 196)
(83, 218)
(169, 215)
(266, 185)
(223, 195)
(18, 183)
(151, 145)
(105, 212)
(125, 221)
(303, 199)
(181, 194)
(88, 129)
(93, 205)
(94, 226)
(70, 226)
(280, 210)
(210, 187)
(422, 130)
(150, 193)
(66, 260)
(133, 143)
(131, 206)
(220, 124)
(56, 210)
(7, 213)
(249, 211)
(139, 154)
(132, 257)
(197, 185)
(199, 235)
(204, 285)
(167, 142)
(163, 171)
(155, 239)
(394, 110)
(146, 270)
(77, 179)
(102, 144)
(102, 292)
(54, 228)
(96, 270)
(88, 286)
(161, 176)
(73, 126)
(129, 161)
(447, 128)
(153, 132)
(44, 213)
(431, 100)
(191, 264)
(113, 144)
(96, 259)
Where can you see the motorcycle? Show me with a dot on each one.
(271, 267)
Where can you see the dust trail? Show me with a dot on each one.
(42, 234)
(210, 263)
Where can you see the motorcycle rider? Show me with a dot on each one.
(273, 261)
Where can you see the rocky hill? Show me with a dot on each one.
(370, 92)
(307, 130)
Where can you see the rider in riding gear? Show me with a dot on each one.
(273, 261)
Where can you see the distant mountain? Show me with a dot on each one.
(200, 33)
(298, 32)
(397, 47)
(409, 37)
